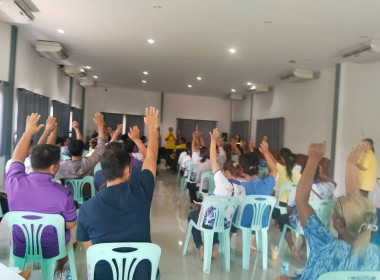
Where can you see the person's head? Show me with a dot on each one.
(76, 148)
(129, 146)
(93, 142)
(170, 129)
(290, 160)
(115, 162)
(66, 140)
(45, 158)
(232, 170)
(368, 144)
(354, 218)
(59, 142)
(143, 139)
(250, 164)
(228, 151)
(204, 153)
(188, 148)
(237, 138)
(182, 140)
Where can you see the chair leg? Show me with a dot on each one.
(227, 249)
(47, 268)
(17, 261)
(73, 269)
(258, 241)
(282, 238)
(246, 236)
(221, 242)
(208, 241)
(187, 238)
(264, 246)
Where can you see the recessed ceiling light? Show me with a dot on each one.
(253, 87)
(60, 31)
(157, 7)
(268, 21)
(150, 41)
(232, 50)
(87, 67)
(292, 61)
(95, 77)
(364, 36)
(199, 78)
(189, 86)
(233, 90)
(249, 83)
(145, 73)
(144, 81)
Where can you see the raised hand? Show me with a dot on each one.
(119, 129)
(51, 124)
(214, 135)
(233, 142)
(221, 143)
(264, 147)
(251, 145)
(99, 120)
(317, 151)
(75, 125)
(354, 156)
(32, 126)
(134, 133)
(151, 118)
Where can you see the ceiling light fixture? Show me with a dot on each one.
(232, 50)
(150, 41)
(233, 90)
(292, 61)
(87, 67)
(268, 21)
(189, 86)
(95, 77)
(157, 7)
(143, 81)
(199, 78)
(249, 83)
(145, 73)
(60, 31)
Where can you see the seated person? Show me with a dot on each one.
(354, 218)
(323, 188)
(92, 145)
(65, 147)
(254, 185)
(121, 211)
(226, 184)
(36, 192)
(78, 166)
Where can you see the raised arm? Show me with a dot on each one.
(201, 140)
(77, 131)
(213, 157)
(151, 121)
(53, 135)
(194, 142)
(31, 128)
(251, 146)
(234, 147)
(50, 125)
(117, 133)
(134, 135)
(264, 149)
(99, 122)
(350, 176)
(316, 153)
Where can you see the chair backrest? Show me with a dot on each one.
(32, 225)
(78, 184)
(322, 208)
(123, 258)
(218, 211)
(350, 275)
(190, 176)
(211, 183)
(97, 167)
(261, 205)
(285, 187)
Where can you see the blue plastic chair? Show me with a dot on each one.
(350, 275)
(223, 208)
(32, 225)
(260, 205)
(78, 184)
(322, 208)
(97, 167)
(211, 183)
(286, 187)
(123, 264)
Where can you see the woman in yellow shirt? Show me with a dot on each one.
(367, 168)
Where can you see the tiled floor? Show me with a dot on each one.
(169, 224)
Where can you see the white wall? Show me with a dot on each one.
(77, 95)
(307, 109)
(5, 44)
(359, 111)
(241, 109)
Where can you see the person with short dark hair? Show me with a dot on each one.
(36, 192)
(121, 211)
(78, 166)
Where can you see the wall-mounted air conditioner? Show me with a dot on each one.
(259, 89)
(236, 96)
(74, 71)
(298, 75)
(368, 51)
(15, 11)
(87, 83)
(51, 50)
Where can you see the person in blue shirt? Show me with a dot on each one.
(354, 218)
(254, 185)
(121, 211)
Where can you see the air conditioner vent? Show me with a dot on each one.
(15, 11)
(51, 50)
(368, 51)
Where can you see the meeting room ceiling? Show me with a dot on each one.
(193, 39)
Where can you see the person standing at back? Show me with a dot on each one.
(367, 167)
